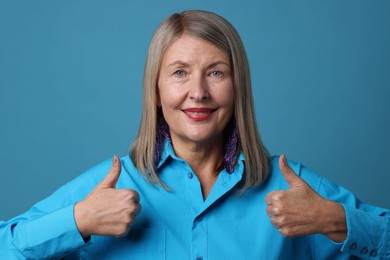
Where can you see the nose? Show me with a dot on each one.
(198, 89)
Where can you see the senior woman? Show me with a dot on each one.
(209, 189)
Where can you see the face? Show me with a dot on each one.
(195, 91)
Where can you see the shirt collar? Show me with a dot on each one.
(168, 152)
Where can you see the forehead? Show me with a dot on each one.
(188, 46)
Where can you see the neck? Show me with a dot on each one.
(205, 160)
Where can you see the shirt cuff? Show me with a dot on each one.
(368, 235)
(54, 234)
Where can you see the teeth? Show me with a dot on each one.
(197, 113)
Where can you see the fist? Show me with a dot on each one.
(106, 210)
(301, 211)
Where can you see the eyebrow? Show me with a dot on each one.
(215, 64)
(185, 64)
(178, 62)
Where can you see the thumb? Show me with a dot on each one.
(113, 175)
(289, 175)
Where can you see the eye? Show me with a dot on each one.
(216, 74)
(179, 73)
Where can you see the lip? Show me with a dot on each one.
(198, 113)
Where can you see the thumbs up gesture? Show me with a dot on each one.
(106, 210)
(302, 211)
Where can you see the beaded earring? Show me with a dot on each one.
(161, 133)
(231, 143)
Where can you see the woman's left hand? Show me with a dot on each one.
(302, 211)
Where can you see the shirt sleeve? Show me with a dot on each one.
(368, 226)
(47, 230)
(368, 233)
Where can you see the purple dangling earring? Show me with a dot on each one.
(161, 133)
(231, 144)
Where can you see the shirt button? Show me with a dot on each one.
(190, 175)
(364, 250)
(373, 253)
(353, 246)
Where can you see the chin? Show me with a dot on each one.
(203, 139)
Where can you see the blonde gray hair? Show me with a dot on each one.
(218, 31)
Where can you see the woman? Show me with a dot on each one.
(208, 188)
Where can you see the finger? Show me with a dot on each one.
(137, 210)
(113, 175)
(275, 223)
(131, 195)
(269, 198)
(289, 175)
(136, 197)
(272, 211)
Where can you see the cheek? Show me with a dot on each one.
(168, 98)
(228, 102)
(171, 95)
(162, 93)
(226, 98)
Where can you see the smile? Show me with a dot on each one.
(198, 114)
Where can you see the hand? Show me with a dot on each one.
(302, 211)
(106, 210)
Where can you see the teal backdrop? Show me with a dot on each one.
(71, 75)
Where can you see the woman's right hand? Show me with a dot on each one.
(106, 210)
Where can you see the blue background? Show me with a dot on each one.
(71, 75)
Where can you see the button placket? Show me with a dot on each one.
(199, 238)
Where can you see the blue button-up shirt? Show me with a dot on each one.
(179, 224)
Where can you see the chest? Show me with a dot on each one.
(171, 227)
